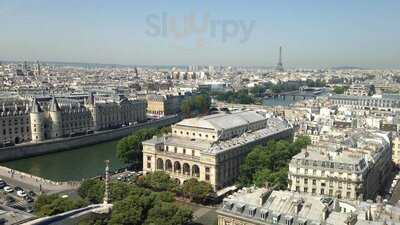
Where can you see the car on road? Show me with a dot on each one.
(2, 184)
(28, 199)
(19, 207)
(29, 210)
(21, 193)
(9, 199)
(32, 193)
(18, 188)
(8, 189)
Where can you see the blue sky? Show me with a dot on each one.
(313, 34)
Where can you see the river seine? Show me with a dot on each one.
(70, 165)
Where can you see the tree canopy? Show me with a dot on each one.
(158, 181)
(196, 190)
(339, 89)
(135, 205)
(49, 205)
(129, 149)
(199, 104)
(270, 163)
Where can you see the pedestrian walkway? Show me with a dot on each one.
(37, 183)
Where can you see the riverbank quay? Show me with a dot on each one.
(26, 150)
(35, 183)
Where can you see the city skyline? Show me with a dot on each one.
(313, 35)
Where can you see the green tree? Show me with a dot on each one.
(94, 219)
(168, 214)
(268, 164)
(166, 130)
(92, 190)
(196, 190)
(53, 204)
(339, 89)
(129, 149)
(158, 181)
(133, 209)
(186, 106)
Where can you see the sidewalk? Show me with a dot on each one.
(35, 183)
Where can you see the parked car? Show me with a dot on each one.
(8, 189)
(2, 184)
(32, 193)
(21, 193)
(18, 188)
(28, 199)
(10, 199)
(29, 210)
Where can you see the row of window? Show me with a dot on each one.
(323, 184)
(16, 129)
(194, 134)
(322, 192)
(323, 172)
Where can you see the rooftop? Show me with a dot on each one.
(223, 121)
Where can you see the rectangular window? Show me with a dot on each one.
(207, 169)
(148, 165)
(207, 177)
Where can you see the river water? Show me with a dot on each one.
(70, 165)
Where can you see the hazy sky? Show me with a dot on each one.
(312, 33)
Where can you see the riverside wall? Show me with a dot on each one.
(26, 150)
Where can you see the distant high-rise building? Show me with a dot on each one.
(279, 66)
(38, 68)
(25, 66)
(136, 73)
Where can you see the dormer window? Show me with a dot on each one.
(264, 215)
(240, 208)
(276, 218)
(289, 220)
(252, 211)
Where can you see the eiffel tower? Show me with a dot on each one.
(279, 66)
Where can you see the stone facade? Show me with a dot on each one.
(357, 167)
(211, 148)
(359, 90)
(396, 150)
(66, 117)
(14, 123)
(162, 105)
(385, 102)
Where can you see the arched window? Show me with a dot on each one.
(186, 169)
(177, 167)
(160, 164)
(168, 165)
(195, 171)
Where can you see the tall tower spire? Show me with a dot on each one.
(279, 66)
(38, 68)
(106, 186)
